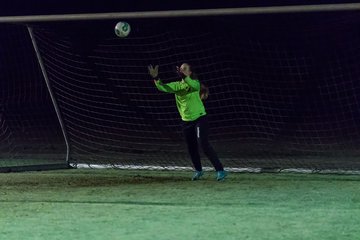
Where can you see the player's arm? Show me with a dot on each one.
(185, 74)
(193, 83)
(172, 87)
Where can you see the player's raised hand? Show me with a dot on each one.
(153, 71)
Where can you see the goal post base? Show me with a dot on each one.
(209, 169)
(43, 167)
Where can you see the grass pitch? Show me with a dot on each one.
(122, 204)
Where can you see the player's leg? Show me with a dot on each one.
(202, 134)
(192, 145)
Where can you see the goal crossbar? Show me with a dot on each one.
(183, 13)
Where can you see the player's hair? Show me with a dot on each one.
(194, 76)
(204, 92)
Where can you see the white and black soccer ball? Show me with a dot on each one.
(122, 29)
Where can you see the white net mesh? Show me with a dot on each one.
(282, 94)
(29, 130)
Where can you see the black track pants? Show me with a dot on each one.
(196, 133)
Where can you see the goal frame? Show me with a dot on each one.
(184, 13)
(156, 14)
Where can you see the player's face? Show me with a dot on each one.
(185, 68)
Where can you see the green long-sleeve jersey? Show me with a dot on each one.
(187, 97)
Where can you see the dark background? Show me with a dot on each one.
(285, 96)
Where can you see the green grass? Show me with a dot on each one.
(119, 204)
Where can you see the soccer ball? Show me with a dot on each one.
(122, 29)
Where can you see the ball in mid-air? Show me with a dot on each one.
(122, 29)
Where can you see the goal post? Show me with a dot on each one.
(283, 89)
(186, 13)
(30, 137)
(58, 114)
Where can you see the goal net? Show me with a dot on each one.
(30, 137)
(284, 90)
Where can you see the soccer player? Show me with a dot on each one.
(189, 94)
